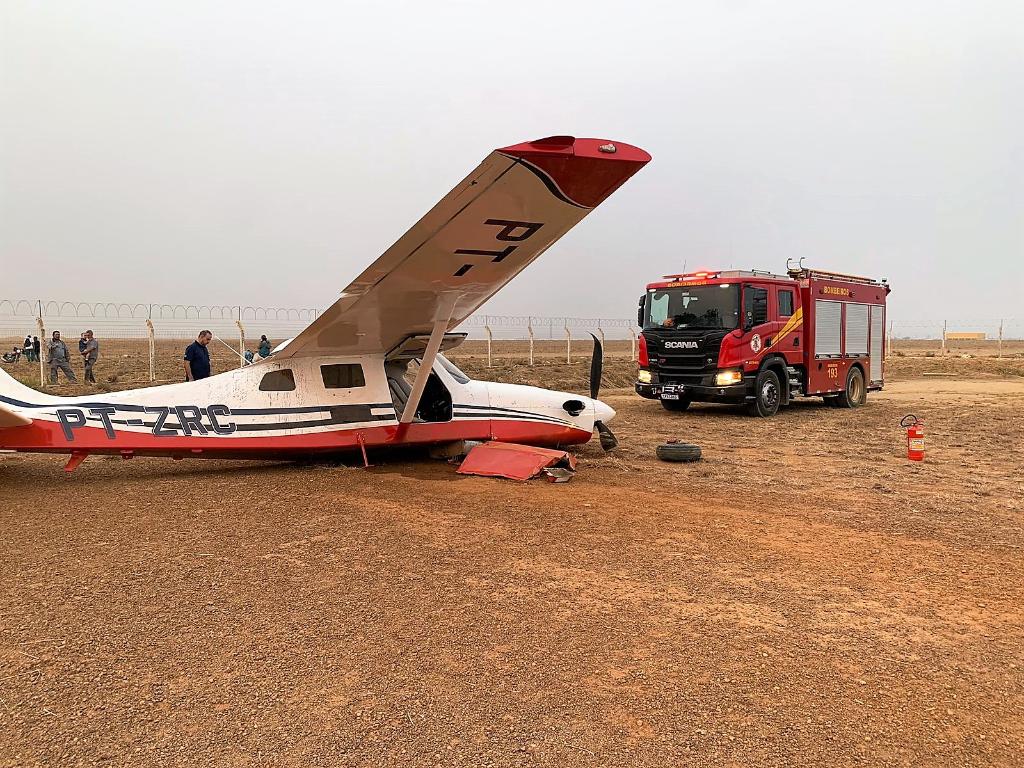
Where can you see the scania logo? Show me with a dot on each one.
(680, 345)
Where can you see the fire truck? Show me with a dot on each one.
(761, 339)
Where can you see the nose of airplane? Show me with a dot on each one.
(603, 412)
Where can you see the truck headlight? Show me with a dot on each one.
(728, 378)
(644, 377)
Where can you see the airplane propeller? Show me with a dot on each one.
(606, 436)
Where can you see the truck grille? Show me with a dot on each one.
(671, 363)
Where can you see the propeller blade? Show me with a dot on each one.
(608, 440)
(596, 365)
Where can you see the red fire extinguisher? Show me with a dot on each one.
(915, 437)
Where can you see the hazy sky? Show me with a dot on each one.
(265, 153)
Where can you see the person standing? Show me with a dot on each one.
(197, 357)
(26, 348)
(90, 354)
(264, 347)
(57, 357)
(35, 349)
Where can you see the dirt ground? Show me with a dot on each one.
(802, 596)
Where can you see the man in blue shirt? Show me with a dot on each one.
(197, 358)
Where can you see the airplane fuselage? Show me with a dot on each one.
(304, 405)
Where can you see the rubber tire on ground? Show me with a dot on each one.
(678, 452)
(763, 405)
(832, 401)
(676, 405)
(855, 393)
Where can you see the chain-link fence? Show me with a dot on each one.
(143, 343)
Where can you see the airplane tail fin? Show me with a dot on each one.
(13, 392)
(9, 419)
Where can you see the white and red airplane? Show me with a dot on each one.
(369, 371)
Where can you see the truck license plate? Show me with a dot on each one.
(669, 395)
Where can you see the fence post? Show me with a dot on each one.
(241, 340)
(600, 331)
(943, 337)
(529, 330)
(487, 328)
(152, 350)
(568, 343)
(1000, 353)
(632, 343)
(42, 341)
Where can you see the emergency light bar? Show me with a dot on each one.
(692, 276)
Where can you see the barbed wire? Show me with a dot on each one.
(180, 320)
(123, 311)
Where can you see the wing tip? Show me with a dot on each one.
(586, 171)
(604, 149)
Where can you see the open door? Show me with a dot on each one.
(436, 403)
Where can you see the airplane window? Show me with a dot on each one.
(342, 376)
(453, 369)
(278, 381)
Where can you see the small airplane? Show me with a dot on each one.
(370, 371)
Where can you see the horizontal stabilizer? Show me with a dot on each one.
(10, 419)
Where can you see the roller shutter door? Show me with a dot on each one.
(857, 329)
(827, 328)
(877, 340)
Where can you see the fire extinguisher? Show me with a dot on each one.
(915, 437)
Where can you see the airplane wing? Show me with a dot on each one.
(501, 217)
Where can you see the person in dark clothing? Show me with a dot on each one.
(26, 348)
(90, 354)
(57, 357)
(35, 349)
(264, 347)
(197, 357)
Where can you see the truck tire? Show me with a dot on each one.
(678, 452)
(767, 394)
(855, 393)
(676, 405)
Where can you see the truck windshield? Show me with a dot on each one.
(702, 306)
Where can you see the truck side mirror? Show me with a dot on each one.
(748, 321)
(640, 312)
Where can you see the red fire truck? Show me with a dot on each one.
(761, 339)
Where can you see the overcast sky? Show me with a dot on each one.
(265, 153)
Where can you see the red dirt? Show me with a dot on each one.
(803, 596)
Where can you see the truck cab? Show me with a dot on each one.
(750, 337)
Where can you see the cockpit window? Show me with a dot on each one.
(453, 369)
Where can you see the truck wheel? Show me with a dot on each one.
(856, 393)
(678, 452)
(767, 394)
(832, 401)
(676, 405)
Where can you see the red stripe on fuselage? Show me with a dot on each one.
(48, 437)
